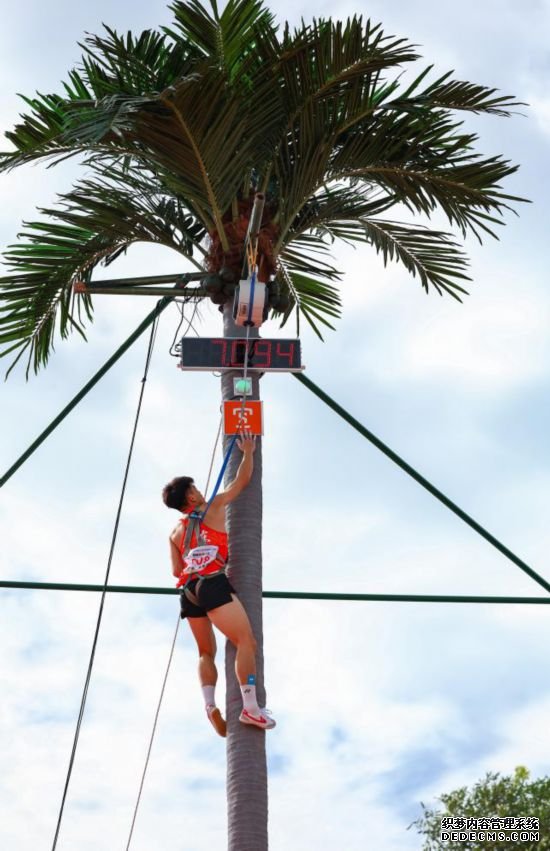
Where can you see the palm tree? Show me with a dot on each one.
(177, 131)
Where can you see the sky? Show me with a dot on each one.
(380, 706)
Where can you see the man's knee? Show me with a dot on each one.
(207, 651)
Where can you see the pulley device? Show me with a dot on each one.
(250, 305)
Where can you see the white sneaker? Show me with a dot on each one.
(264, 720)
(216, 719)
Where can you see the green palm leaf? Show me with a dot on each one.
(229, 38)
(310, 297)
(94, 224)
(432, 255)
(455, 94)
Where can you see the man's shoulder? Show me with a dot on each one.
(177, 531)
(215, 516)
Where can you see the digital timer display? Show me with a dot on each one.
(225, 353)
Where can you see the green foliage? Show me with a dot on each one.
(178, 128)
(95, 222)
(493, 797)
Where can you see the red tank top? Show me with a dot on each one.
(211, 536)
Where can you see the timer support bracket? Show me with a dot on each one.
(153, 285)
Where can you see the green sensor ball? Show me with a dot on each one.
(242, 386)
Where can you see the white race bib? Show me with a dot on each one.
(199, 558)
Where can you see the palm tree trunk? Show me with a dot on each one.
(246, 754)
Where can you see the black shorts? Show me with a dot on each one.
(211, 594)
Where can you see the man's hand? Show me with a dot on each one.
(247, 443)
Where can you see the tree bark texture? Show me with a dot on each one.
(246, 753)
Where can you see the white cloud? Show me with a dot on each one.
(494, 342)
(540, 110)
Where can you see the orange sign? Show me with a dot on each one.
(237, 418)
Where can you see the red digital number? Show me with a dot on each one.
(223, 344)
(238, 350)
(262, 350)
(289, 355)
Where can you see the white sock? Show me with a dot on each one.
(248, 691)
(208, 693)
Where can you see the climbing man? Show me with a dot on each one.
(199, 553)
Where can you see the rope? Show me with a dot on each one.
(251, 302)
(149, 749)
(422, 481)
(213, 455)
(104, 591)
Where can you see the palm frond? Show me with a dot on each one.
(113, 68)
(225, 39)
(335, 204)
(353, 125)
(467, 193)
(113, 64)
(199, 130)
(312, 298)
(329, 58)
(423, 159)
(329, 76)
(432, 255)
(447, 93)
(306, 254)
(94, 224)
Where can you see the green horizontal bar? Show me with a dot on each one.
(285, 595)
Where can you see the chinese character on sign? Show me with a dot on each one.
(238, 417)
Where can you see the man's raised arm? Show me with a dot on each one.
(247, 445)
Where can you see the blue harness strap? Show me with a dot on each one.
(251, 302)
(219, 480)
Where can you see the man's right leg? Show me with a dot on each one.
(208, 674)
(232, 620)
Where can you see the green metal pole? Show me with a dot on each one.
(422, 481)
(189, 293)
(178, 280)
(282, 595)
(149, 319)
